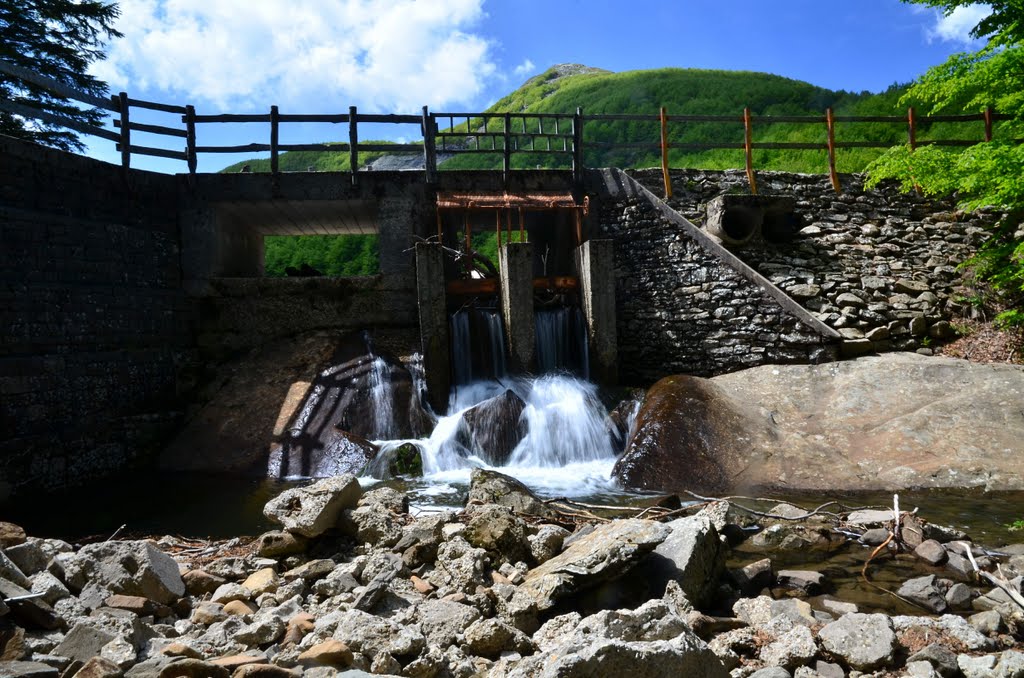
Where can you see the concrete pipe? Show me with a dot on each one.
(734, 219)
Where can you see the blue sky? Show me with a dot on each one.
(322, 56)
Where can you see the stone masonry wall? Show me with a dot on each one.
(879, 266)
(681, 308)
(94, 321)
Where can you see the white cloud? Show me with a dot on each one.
(524, 68)
(303, 55)
(957, 26)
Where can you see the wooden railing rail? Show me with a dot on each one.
(504, 134)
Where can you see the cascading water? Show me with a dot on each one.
(561, 341)
(477, 345)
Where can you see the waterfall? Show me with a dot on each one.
(382, 398)
(477, 345)
(561, 341)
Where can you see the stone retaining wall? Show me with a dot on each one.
(94, 319)
(879, 266)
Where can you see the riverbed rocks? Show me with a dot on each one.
(312, 510)
(491, 591)
(953, 422)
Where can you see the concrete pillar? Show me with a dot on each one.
(433, 313)
(517, 303)
(595, 264)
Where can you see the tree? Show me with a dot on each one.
(989, 174)
(57, 39)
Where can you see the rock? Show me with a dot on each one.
(83, 642)
(265, 671)
(262, 581)
(11, 535)
(166, 667)
(200, 582)
(239, 608)
(875, 536)
(29, 612)
(988, 622)
(607, 552)
(460, 567)
(793, 648)
(373, 524)
(496, 529)
(30, 557)
(371, 635)
(804, 582)
(848, 299)
(804, 292)
(443, 621)
(939, 657)
(491, 637)
(931, 552)
(377, 586)
(753, 578)
(1011, 664)
(977, 667)
(387, 498)
(837, 607)
(143, 607)
(859, 411)
(181, 650)
(684, 656)
(12, 573)
(692, 555)
(495, 427)
(330, 652)
(98, 667)
(547, 542)
(924, 592)
(278, 543)
(229, 592)
(312, 510)
(863, 641)
(912, 287)
(491, 487)
(134, 568)
(208, 612)
(120, 652)
(690, 434)
(959, 597)
(951, 625)
(20, 669)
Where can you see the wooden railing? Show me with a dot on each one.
(506, 134)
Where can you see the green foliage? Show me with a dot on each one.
(303, 161)
(57, 39)
(1015, 525)
(990, 174)
(334, 255)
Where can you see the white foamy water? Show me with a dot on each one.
(566, 452)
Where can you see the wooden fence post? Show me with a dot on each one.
(833, 175)
(664, 154)
(748, 151)
(126, 133)
(353, 143)
(577, 148)
(911, 128)
(190, 139)
(274, 123)
(506, 161)
(429, 148)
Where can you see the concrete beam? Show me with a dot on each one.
(517, 303)
(595, 266)
(433, 313)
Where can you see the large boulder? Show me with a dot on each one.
(833, 425)
(864, 642)
(495, 427)
(314, 509)
(132, 568)
(690, 435)
(607, 552)
(692, 555)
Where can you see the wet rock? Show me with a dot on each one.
(134, 568)
(491, 487)
(805, 582)
(495, 427)
(607, 552)
(925, 592)
(863, 641)
(312, 510)
(877, 536)
(498, 530)
(687, 437)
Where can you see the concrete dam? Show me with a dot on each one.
(119, 287)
